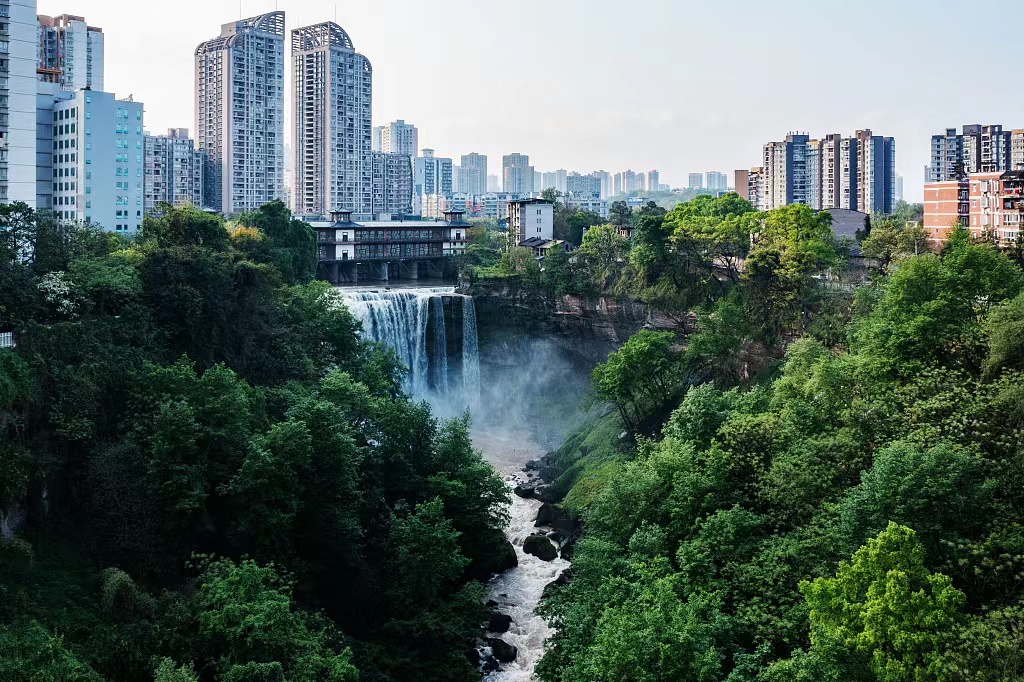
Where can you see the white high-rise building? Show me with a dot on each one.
(517, 174)
(240, 113)
(399, 137)
(173, 170)
(431, 175)
(333, 127)
(474, 174)
(18, 28)
(70, 52)
(98, 160)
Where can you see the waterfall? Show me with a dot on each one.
(470, 353)
(440, 342)
(415, 324)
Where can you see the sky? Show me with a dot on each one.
(676, 85)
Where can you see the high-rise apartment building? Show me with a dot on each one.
(70, 52)
(715, 181)
(18, 32)
(240, 113)
(543, 181)
(392, 184)
(473, 175)
(173, 170)
(399, 137)
(695, 181)
(431, 175)
(98, 160)
(977, 149)
(785, 172)
(653, 181)
(876, 173)
(856, 173)
(333, 129)
(517, 174)
(583, 186)
(748, 185)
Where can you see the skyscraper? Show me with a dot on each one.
(240, 113)
(653, 181)
(517, 174)
(432, 176)
(715, 181)
(473, 180)
(173, 170)
(18, 91)
(695, 181)
(399, 137)
(333, 129)
(70, 52)
(392, 184)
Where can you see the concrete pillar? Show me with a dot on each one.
(333, 270)
(409, 269)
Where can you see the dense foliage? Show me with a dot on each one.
(855, 515)
(207, 475)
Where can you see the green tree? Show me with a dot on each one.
(639, 378)
(885, 610)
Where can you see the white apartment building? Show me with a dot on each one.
(173, 170)
(473, 174)
(98, 160)
(70, 52)
(517, 174)
(399, 137)
(431, 175)
(530, 219)
(591, 203)
(18, 56)
(333, 126)
(240, 113)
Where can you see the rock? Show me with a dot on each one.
(544, 493)
(503, 651)
(526, 490)
(534, 465)
(556, 537)
(499, 622)
(491, 604)
(490, 665)
(563, 579)
(555, 516)
(568, 547)
(540, 547)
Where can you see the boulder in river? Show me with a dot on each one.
(553, 515)
(503, 651)
(545, 493)
(526, 490)
(499, 622)
(540, 547)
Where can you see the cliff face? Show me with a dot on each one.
(589, 328)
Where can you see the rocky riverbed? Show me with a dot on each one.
(516, 593)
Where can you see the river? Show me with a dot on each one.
(519, 590)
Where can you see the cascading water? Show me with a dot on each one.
(470, 352)
(442, 353)
(420, 324)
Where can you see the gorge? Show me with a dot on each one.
(523, 374)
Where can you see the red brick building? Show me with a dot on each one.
(997, 204)
(946, 204)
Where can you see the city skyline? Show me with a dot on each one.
(654, 120)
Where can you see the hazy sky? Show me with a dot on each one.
(676, 85)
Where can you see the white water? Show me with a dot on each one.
(519, 590)
(401, 320)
